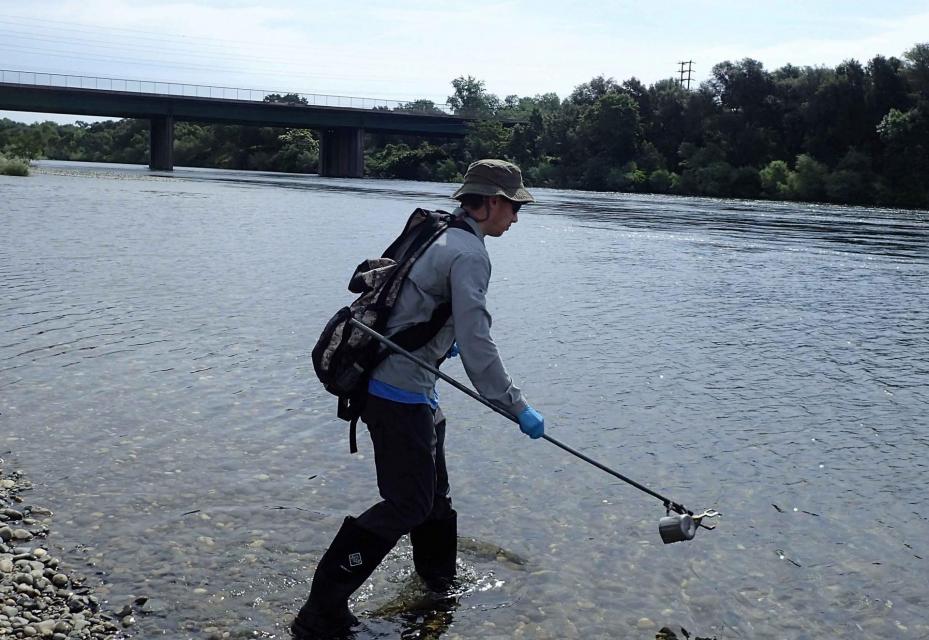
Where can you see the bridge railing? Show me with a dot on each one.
(35, 78)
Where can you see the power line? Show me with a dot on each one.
(85, 42)
(267, 64)
(92, 45)
(156, 36)
(192, 54)
(110, 44)
(162, 63)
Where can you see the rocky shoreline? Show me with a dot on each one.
(39, 598)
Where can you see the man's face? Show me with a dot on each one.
(502, 215)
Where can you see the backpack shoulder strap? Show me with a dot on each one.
(418, 335)
(459, 223)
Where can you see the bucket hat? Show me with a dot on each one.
(494, 178)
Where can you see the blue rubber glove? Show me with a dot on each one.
(531, 423)
(453, 351)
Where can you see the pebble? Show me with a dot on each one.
(153, 606)
(46, 627)
(645, 623)
(35, 600)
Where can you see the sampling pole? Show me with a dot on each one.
(669, 504)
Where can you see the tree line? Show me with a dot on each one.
(852, 134)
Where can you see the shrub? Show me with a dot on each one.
(712, 180)
(13, 166)
(544, 174)
(774, 178)
(808, 180)
(660, 181)
(447, 171)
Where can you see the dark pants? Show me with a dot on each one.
(409, 454)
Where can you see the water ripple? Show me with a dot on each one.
(765, 359)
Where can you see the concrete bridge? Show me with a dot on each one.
(340, 120)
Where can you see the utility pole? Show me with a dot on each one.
(688, 71)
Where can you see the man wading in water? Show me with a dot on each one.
(407, 428)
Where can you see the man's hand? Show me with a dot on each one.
(531, 423)
(453, 351)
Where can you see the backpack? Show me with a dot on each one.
(344, 357)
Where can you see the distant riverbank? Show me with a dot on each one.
(855, 134)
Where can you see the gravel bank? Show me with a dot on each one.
(39, 598)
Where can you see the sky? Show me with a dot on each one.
(411, 49)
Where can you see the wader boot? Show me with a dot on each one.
(435, 547)
(351, 558)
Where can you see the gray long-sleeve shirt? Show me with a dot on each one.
(455, 268)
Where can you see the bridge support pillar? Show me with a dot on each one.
(341, 152)
(161, 144)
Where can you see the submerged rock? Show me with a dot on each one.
(489, 551)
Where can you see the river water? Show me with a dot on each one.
(768, 360)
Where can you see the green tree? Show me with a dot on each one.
(421, 106)
(634, 88)
(917, 68)
(808, 179)
(401, 161)
(660, 181)
(906, 156)
(774, 179)
(526, 140)
(471, 99)
(287, 98)
(584, 95)
(667, 127)
(705, 170)
(745, 87)
(486, 139)
(836, 116)
(298, 153)
(611, 129)
(888, 87)
(610, 132)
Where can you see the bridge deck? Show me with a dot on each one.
(128, 104)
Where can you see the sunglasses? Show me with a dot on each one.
(516, 206)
